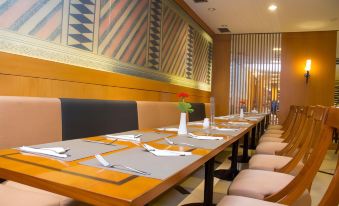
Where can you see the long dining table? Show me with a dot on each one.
(95, 185)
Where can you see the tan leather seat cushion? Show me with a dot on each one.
(258, 183)
(276, 126)
(244, 201)
(272, 162)
(61, 200)
(29, 120)
(157, 114)
(271, 139)
(274, 131)
(271, 135)
(208, 110)
(270, 147)
(14, 197)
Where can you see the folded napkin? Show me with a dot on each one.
(127, 137)
(239, 123)
(195, 123)
(226, 129)
(52, 151)
(165, 153)
(168, 129)
(204, 137)
(252, 118)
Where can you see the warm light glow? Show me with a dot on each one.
(277, 49)
(308, 65)
(272, 7)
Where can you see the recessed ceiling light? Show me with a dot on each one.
(272, 7)
(277, 49)
(211, 9)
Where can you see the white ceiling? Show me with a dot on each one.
(252, 16)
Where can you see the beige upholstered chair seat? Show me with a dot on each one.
(270, 135)
(13, 197)
(270, 147)
(276, 126)
(244, 201)
(274, 131)
(258, 184)
(59, 200)
(272, 162)
(271, 139)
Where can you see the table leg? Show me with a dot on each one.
(253, 137)
(245, 157)
(233, 171)
(208, 190)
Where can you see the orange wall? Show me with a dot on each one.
(221, 73)
(296, 48)
(26, 76)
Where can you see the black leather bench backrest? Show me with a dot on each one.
(86, 117)
(198, 113)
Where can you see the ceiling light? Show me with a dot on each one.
(277, 49)
(211, 9)
(272, 7)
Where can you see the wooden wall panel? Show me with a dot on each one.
(221, 73)
(296, 48)
(26, 76)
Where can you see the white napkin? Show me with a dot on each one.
(127, 137)
(168, 129)
(252, 118)
(239, 123)
(53, 151)
(195, 123)
(165, 153)
(203, 137)
(226, 129)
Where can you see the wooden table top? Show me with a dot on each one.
(95, 185)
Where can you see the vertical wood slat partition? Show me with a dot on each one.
(255, 71)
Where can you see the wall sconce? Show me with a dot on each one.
(307, 69)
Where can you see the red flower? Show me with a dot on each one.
(182, 95)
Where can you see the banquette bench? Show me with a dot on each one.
(35, 120)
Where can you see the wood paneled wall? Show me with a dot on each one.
(26, 76)
(296, 48)
(221, 72)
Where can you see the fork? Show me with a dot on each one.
(105, 163)
(181, 143)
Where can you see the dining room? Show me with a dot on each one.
(169, 102)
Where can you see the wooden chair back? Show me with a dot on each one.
(304, 179)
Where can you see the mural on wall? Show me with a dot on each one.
(153, 39)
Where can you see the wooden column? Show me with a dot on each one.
(221, 72)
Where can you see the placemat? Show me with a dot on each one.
(79, 149)
(205, 144)
(139, 158)
(146, 136)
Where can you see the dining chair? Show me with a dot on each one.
(330, 197)
(286, 123)
(291, 162)
(276, 186)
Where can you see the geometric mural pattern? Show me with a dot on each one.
(174, 43)
(150, 34)
(200, 58)
(123, 30)
(37, 18)
(209, 62)
(154, 49)
(81, 24)
(190, 47)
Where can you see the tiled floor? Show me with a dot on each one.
(195, 184)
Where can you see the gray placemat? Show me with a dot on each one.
(146, 136)
(79, 149)
(139, 158)
(219, 132)
(205, 144)
(190, 128)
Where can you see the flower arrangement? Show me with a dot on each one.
(183, 106)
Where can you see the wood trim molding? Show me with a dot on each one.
(195, 17)
(27, 76)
